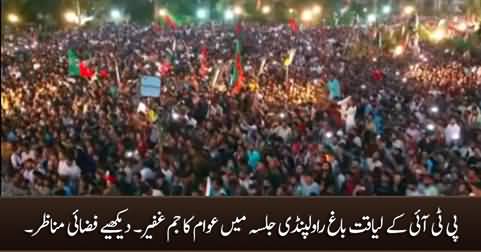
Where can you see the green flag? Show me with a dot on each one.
(73, 64)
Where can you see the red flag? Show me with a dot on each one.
(238, 28)
(203, 62)
(165, 68)
(170, 22)
(293, 25)
(85, 71)
(104, 74)
(240, 79)
(377, 75)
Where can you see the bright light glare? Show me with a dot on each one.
(408, 10)
(228, 15)
(71, 17)
(238, 10)
(202, 13)
(291, 10)
(431, 127)
(434, 109)
(371, 18)
(329, 134)
(398, 50)
(163, 12)
(317, 10)
(438, 35)
(175, 116)
(13, 18)
(115, 14)
(462, 26)
(386, 9)
(306, 16)
(266, 9)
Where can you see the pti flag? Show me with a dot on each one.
(73, 63)
(237, 77)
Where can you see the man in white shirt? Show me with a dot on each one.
(452, 133)
(68, 168)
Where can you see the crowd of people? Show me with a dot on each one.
(401, 126)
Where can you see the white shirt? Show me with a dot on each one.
(72, 171)
(452, 132)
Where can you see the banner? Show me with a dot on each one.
(150, 86)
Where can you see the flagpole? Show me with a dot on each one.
(287, 74)
(117, 74)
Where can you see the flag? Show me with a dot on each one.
(85, 71)
(334, 89)
(104, 74)
(377, 75)
(237, 77)
(293, 25)
(73, 63)
(288, 61)
(204, 70)
(169, 22)
(165, 68)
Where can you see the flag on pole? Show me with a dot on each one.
(237, 77)
(288, 61)
(334, 89)
(293, 25)
(204, 69)
(169, 22)
(85, 71)
(73, 63)
(238, 29)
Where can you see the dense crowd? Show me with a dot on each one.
(402, 126)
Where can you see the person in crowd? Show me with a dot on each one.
(280, 134)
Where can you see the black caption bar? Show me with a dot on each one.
(240, 223)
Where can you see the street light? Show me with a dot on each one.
(163, 12)
(115, 15)
(371, 18)
(228, 15)
(408, 10)
(306, 16)
(71, 17)
(266, 9)
(202, 13)
(13, 18)
(238, 10)
(386, 9)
